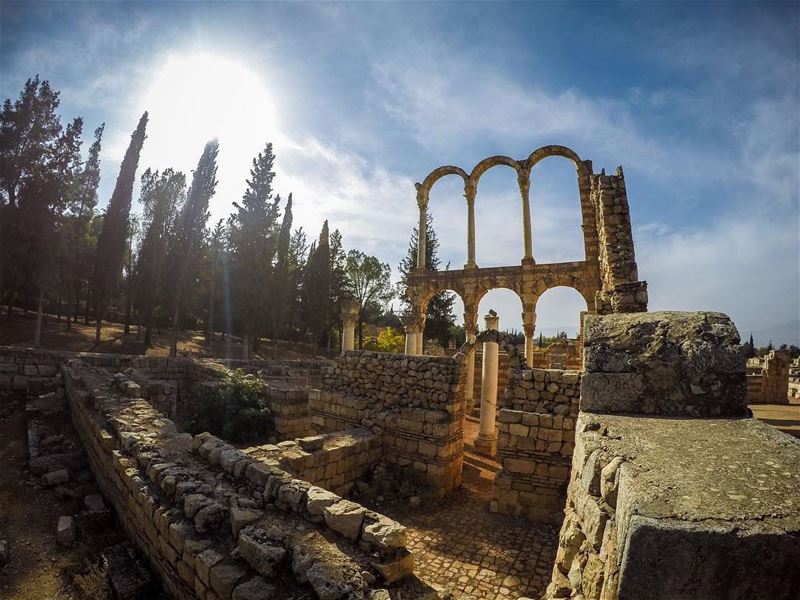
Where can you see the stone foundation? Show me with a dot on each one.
(768, 379)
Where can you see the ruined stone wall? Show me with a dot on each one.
(769, 381)
(217, 523)
(333, 461)
(536, 435)
(414, 403)
(794, 383)
(670, 496)
(621, 289)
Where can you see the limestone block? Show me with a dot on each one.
(55, 478)
(225, 577)
(663, 363)
(345, 517)
(256, 588)
(67, 531)
(203, 564)
(384, 533)
(240, 517)
(263, 555)
(318, 500)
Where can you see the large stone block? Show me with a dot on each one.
(663, 363)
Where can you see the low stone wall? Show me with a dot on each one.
(414, 403)
(289, 406)
(216, 523)
(333, 461)
(536, 435)
(664, 502)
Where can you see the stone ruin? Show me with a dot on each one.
(646, 456)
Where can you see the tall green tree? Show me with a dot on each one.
(161, 196)
(190, 229)
(296, 265)
(317, 287)
(29, 131)
(280, 286)
(369, 282)
(253, 244)
(113, 235)
(216, 247)
(439, 314)
(79, 241)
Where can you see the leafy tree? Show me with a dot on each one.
(296, 265)
(253, 243)
(317, 286)
(190, 228)
(111, 242)
(390, 340)
(439, 313)
(161, 196)
(29, 131)
(368, 283)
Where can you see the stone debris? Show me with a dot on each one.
(55, 477)
(67, 531)
(94, 503)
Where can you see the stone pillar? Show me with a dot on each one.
(470, 191)
(422, 231)
(486, 442)
(469, 384)
(529, 326)
(524, 181)
(411, 342)
(350, 310)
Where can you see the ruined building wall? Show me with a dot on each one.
(769, 382)
(536, 435)
(415, 404)
(666, 458)
(621, 289)
(215, 522)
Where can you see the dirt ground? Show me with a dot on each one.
(18, 330)
(38, 568)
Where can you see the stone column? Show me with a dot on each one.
(350, 310)
(524, 181)
(422, 231)
(486, 442)
(411, 343)
(420, 340)
(469, 384)
(529, 326)
(470, 191)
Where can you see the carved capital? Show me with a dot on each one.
(524, 181)
(470, 190)
(422, 197)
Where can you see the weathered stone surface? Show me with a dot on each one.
(67, 531)
(311, 443)
(55, 477)
(225, 577)
(256, 588)
(345, 517)
(3, 552)
(240, 517)
(384, 533)
(204, 562)
(318, 500)
(259, 551)
(94, 502)
(663, 363)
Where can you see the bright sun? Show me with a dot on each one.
(198, 96)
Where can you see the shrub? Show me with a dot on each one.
(390, 340)
(236, 410)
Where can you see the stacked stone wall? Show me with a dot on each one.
(621, 289)
(333, 461)
(414, 403)
(536, 435)
(216, 523)
(768, 379)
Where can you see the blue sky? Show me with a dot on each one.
(698, 101)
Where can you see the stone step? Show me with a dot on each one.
(484, 463)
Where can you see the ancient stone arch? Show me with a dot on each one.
(607, 278)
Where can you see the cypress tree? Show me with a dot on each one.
(280, 296)
(317, 286)
(191, 227)
(114, 233)
(439, 314)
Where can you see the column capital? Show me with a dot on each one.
(349, 310)
(492, 320)
(470, 190)
(524, 181)
(422, 197)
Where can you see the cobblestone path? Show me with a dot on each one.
(460, 546)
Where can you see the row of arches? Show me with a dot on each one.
(523, 169)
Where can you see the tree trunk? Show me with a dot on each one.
(128, 308)
(173, 347)
(37, 336)
(69, 306)
(89, 292)
(210, 323)
(58, 314)
(360, 332)
(97, 326)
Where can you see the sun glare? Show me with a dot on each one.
(199, 96)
